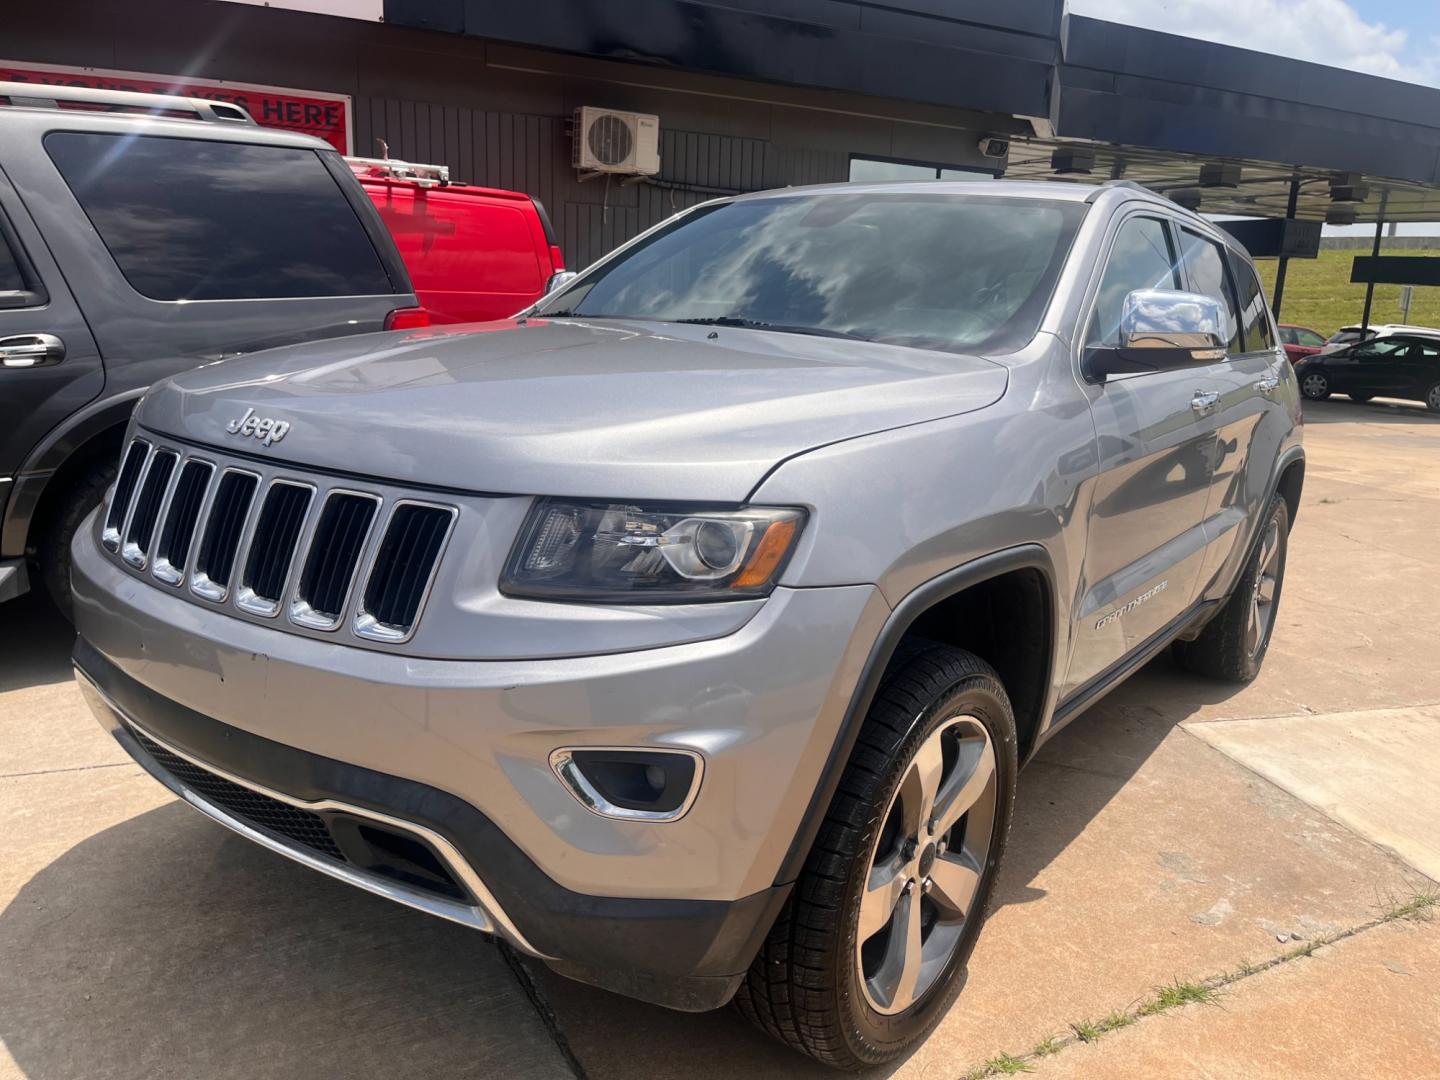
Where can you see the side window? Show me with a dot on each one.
(19, 287)
(1288, 336)
(1309, 338)
(1255, 317)
(1205, 266)
(197, 219)
(1142, 257)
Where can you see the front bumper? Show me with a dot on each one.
(456, 753)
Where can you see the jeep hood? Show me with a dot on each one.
(602, 408)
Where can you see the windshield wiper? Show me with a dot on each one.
(779, 328)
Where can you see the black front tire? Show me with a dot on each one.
(52, 552)
(1226, 648)
(1315, 385)
(804, 986)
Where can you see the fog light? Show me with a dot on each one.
(628, 783)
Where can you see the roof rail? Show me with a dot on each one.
(1108, 184)
(51, 96)
(394, 169)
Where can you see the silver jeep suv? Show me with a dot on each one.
(687, 631)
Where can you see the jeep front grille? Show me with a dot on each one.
(287, 545)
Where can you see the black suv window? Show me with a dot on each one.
(1141, 258)
(192, 219)
(1205, 265)
(1253, 315)
(18, 285)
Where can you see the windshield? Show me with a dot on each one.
(965, 273)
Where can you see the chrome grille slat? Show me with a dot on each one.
(271, 550)
(143, 517)
(181, 516)
(333, 556)
(262, 540)
(125, 485)
(224, 528)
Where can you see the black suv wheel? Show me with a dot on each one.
(869, 950)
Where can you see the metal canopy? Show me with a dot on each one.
(1262, 191)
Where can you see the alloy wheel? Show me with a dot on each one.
(926, 865)
(1314, 385)
(1432, 399)
(1262, 596)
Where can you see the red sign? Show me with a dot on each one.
(307, 111)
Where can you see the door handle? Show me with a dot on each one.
(1268, 386)
(1204, 401)
(31, 350)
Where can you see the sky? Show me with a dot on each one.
(1396, 39)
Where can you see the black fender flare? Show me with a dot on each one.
(902, 617)
(50, 454)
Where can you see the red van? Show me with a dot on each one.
(473, 253)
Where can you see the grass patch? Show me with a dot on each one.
(1087, 1031)
(1418, 908)
(1005, 1065)
(1177, 995)
(1051, 1044)
(1319, 293)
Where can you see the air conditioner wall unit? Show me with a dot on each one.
(610, 141)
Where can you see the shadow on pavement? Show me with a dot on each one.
(166, 947)
(1341, 410)
(36, 643)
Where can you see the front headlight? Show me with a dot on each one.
(635, 554)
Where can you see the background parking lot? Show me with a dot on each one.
(1180, 830)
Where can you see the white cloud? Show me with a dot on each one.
(1325, 31)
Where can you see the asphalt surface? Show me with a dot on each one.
(1178, 829)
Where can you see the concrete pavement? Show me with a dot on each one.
(1170, 833)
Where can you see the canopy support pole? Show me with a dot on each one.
(1374, 251)
(1284, 261)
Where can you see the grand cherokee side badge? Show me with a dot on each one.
(259, 427)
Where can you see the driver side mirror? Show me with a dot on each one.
(1161, 329)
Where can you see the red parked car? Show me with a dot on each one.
(1299, 341)
(473, 253)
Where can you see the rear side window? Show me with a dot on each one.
(1205, 266)
(11, 280)
(1254, 318)
(192, 219)
(18, 285)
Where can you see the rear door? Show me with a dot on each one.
(49, 367)
(1250, 418)
(1146, 539)
(1424, 374)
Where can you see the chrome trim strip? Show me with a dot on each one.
(366, 625)
(163, 569)
(487, 915)
(563, 763)
(200, 584)
(300, 611)
(129, 550)
(246, 599)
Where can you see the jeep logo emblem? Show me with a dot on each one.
(259, 427)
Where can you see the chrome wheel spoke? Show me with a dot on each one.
(973, 772)
(1266, 595)
(1252, 625)
(954, 882)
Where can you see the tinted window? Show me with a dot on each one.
(1309, 338)
(190, 219)
(1141, 258)
(1254, 316)
(956, 272)
(1205, 265)
(1288, 336)
(11, 280)
(1384, 349)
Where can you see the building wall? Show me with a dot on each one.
(499, 114)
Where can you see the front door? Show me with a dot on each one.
(1155, 436)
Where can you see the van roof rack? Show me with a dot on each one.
(24, 95)
(395, 169)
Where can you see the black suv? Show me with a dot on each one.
(141, 235)
(1403, 366)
